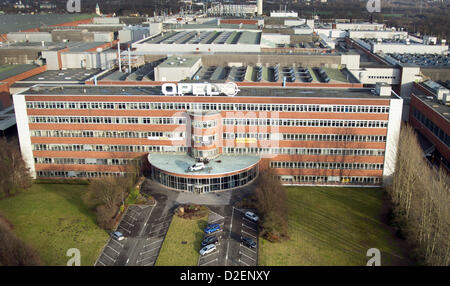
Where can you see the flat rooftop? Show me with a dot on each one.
(206, 37)
(7, 71)
(264, 91)
(176, 61)
(433, 103)
(69, 75)
(222, 165)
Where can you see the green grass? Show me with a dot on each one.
(334, 226)
(52, 219)
(173, 252)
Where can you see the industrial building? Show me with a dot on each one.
(308, 136)
(430, 116)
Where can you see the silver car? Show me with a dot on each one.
(207, 249)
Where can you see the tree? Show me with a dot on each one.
(13, 251)
(420, 194)
(14, 174)
(271, 205)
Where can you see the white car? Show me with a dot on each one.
(251, 216)
(197, 167)
(207, 249)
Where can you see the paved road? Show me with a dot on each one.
(146, 227)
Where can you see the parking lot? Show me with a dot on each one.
(239, 254)
(152, 244)
(216, 257)
(129, 226)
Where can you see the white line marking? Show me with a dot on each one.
(153, 242)
(248, 227)
(121, 245)
(121, 227)
(243, 231)
(209, 262)
(129, 223)
(248, 220)
(245, 247)
(113, 249)
(204, 256)
(145, 259)
(242, 253)
(243, 262)
(102, 263)
(109, 257)
(151, 263)
(147, 251)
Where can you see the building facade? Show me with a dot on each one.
(326, 136)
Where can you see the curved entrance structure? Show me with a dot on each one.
(219, 174)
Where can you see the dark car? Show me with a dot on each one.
(209, 240)
(248, 242)
(212, 228)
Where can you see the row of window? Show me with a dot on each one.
(208, 106)
(305, 122)
(334, 137)
(326, 165)
(226, 135)
(107, 120)
(204, 124)
(226, 150)
(259, 136)
(325, 179)
(381, 77)
(303, 151)
(438, 132)
(77, 174)
(106, 134)
(226, 121)
(82, 161)
(107, 148)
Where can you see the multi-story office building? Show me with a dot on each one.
(308, 136)
(430, 116)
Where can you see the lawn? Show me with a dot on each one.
(334, 226)
(173, 251)
(53, 218)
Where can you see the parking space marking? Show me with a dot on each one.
(243, 231)
(249, 227)
(214, 260)
(121, 227)
(242, 253)
(243, 262)
(132, 217)
(101, 263)
(121, 245)
(245, 247)
(207, 255)
(109, 257)
(131, 210)
(151, 263)
(248, 220)
(145, 258)
(129, 223)
(113, 249)
(153, 242)
(147, 251)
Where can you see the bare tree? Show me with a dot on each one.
(421, 194)
(14, 174)
(271, 202)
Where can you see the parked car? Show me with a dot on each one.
(197, 167)
(207, 249)
(251, 216)
(248, 242)
(212, 228)
(117, 235)
(209, 240)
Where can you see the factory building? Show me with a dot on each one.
(327, 136)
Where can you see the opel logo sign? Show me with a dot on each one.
(196, 89)
(230, 89)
